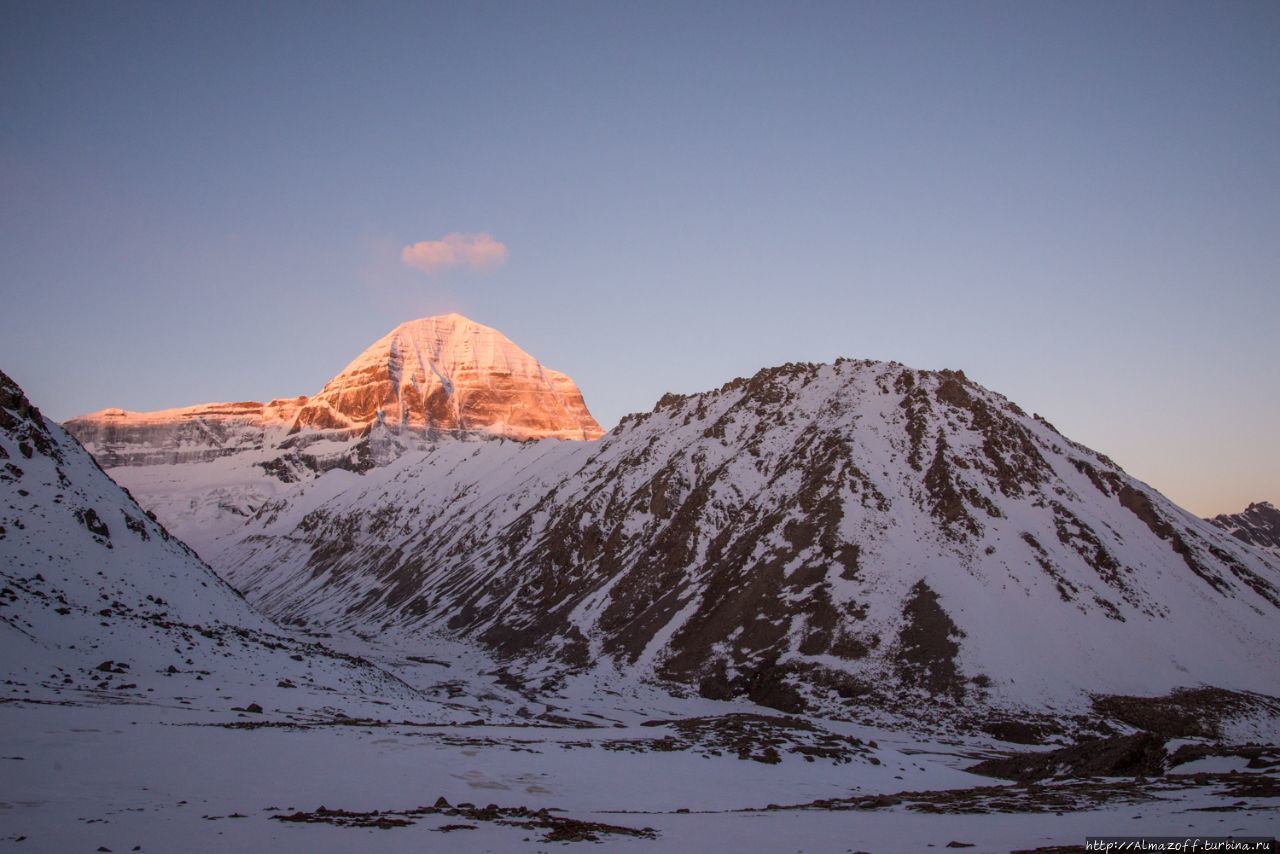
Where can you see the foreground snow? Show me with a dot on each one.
(83, 769)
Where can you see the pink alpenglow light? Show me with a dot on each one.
(455, 249)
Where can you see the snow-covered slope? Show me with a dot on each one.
(1258, 525)
(825, 535)
(204, 469)
(96, 596)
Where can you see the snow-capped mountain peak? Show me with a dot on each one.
(207, 468)
(449, 374)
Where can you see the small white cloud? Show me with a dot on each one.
(474, 251)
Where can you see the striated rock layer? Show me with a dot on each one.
(428, 377)
(449, 374)
(191, 434)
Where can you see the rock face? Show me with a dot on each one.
(205, 469)
(430, 377)
(450, 375)
(834, 535)
(193, 434)
(1258, 525)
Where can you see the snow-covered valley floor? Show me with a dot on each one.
(176, 768)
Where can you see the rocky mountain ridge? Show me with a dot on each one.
(852, 535)
(1258, 525)
(814, 536)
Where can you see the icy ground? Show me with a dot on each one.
(177, 768)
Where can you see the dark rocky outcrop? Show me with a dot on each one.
(1142, 754)
(1258, 525)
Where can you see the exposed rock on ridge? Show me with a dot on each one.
(848, 533)
(1258, 525)
(191, 434)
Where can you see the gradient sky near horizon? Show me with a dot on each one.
(1076, 203)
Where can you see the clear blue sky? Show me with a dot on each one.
(1078, 204)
